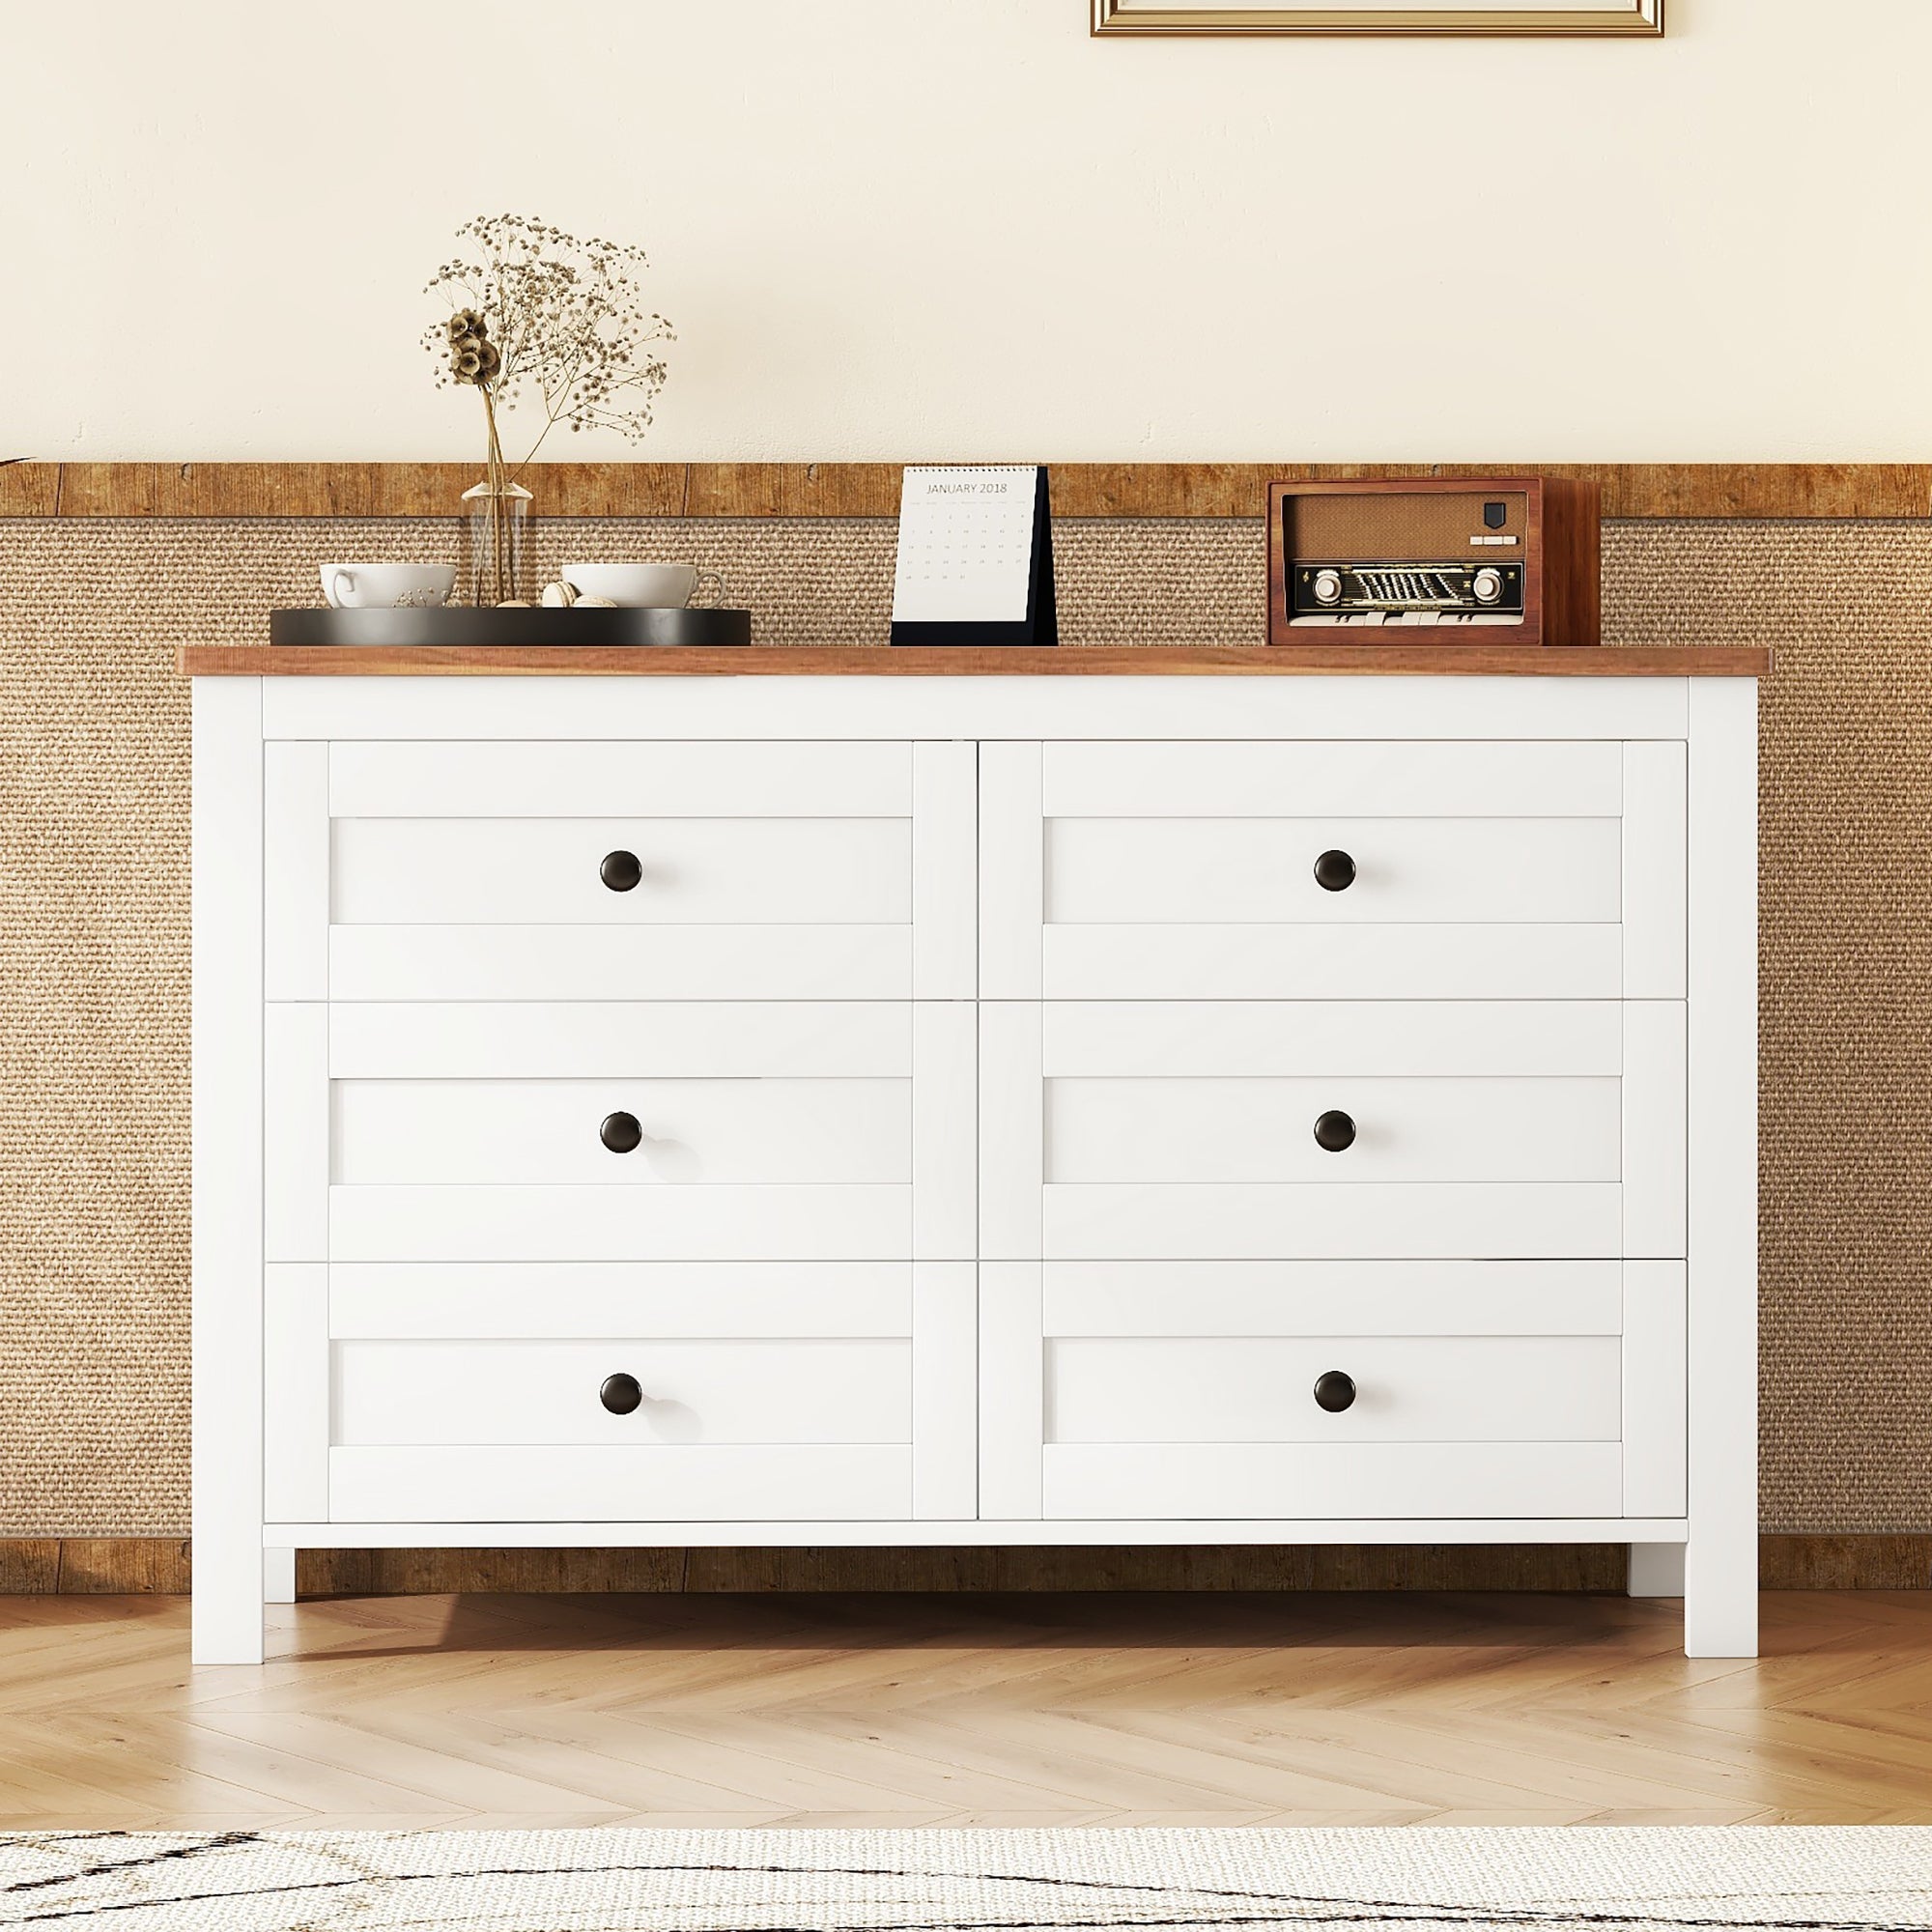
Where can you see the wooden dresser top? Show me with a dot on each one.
(1287, 661)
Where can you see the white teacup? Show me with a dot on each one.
(645, 587)
(384, 587)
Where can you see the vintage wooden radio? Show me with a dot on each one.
(1434, 559)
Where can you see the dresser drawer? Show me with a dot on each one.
(1371, 1129)
(1358, 1480)
(1359, 777)
(621, 872)
(703, 1301)
(619, 962)
(748, 1483)
(593, 1131)
(743, 1107)
(595, 1040)
(1399, 1388)
(618, 779)
(501, 1390)
(1333, 870)
(1334, 1389)
(688, 1391)
(1231, 1131)
(1400, 871)
(621, 1132)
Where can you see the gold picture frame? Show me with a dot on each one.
(1602, 19)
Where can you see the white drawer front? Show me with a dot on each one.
(1332, 963)
(769, 1391)
(1501, 1221)
(668, 1221)
(1113, 871)
(1310, 779)
(1126, 1388)
(1181, 1130)
(1428, 1388)
(722, 1481)
(599, 1041)
(777, 1131)
(587, 1300)
(695, 1391)
(431, 871)
(616, 778)
(1294, 1039)
(731, 871)
(615, 962)
(1365, 1480)
(1408, 871)
(517, 1131)
(1484, 1130)
(1332, 1298)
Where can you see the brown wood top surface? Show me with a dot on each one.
(876, 661)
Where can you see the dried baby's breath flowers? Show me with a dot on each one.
(545, 310)
(565, 317)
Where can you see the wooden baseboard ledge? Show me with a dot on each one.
(157, 1565)
(190, 488)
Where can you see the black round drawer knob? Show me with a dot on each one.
(1334, 871)
(1333, 1131)
(1333, 1391)
(621, 1394)
(620, 1132)
(620, 871)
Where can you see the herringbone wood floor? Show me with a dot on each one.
(1036, 1710)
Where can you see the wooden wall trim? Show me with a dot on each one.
(158, 1564)
(1631, 490)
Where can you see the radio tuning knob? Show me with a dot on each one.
(1487, 585)
(1327, 586)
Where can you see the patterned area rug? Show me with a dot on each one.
(1659, 1879)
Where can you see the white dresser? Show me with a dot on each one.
(1086, 1106)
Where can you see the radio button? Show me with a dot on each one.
(1327, 586)
(1487, 585)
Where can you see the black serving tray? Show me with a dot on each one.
(401, 630)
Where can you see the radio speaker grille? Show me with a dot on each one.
(1431, 527)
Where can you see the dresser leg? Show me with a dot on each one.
(278, 1575)
(1655, 1570)
(225, 1616)
(1720, 1596)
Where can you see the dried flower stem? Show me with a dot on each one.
(501, 520)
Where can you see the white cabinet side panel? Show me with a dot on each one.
(226, 1221)
(1721, 1563)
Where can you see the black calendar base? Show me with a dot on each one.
(973, 637)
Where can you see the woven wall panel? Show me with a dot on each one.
(94, 940)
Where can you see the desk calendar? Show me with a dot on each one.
(975, 557)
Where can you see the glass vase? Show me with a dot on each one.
(502, 560)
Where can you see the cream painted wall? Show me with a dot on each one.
(962, 228)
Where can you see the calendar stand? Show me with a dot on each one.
(1040, 624)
